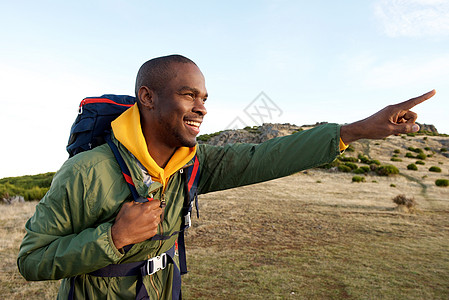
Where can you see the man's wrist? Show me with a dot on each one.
(351, 132)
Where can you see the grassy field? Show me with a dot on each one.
(312, 235)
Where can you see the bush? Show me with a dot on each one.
(358, 179)
(361, 170)
(364, 159)
(435, 169)
(387, 170)
(344, 168)
(397, 151)
(350, 148)
(396, 159)
(443, 150)
(412, 167)
(353, 166)
(409, 155)
(375, 161)
(392, 185)
(421, 156)
(348, 159)
(417, 150)
(442, 182)
(403, 200)
(420, 162)
(427, 149)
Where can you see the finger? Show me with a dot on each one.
(415, 101)
(410, 117)
(153, 204)
(406, 128)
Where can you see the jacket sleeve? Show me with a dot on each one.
(238, 164)
(64, 237)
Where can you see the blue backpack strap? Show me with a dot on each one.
(125, 171)
(191, 184)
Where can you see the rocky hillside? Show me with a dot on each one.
(259, 134)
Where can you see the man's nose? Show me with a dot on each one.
(199, 107)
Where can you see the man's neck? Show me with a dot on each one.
(160, 154)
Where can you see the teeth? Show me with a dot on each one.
(196, 124)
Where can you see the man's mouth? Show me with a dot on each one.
(193, 125)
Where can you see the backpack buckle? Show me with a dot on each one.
(187, 220)
(156, 263)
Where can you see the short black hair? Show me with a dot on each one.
(156, 72)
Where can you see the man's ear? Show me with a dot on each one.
(146, 97)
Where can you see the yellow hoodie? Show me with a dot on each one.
(128, 130)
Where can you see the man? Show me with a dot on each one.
(87, 222)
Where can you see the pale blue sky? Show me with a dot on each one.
(335, 61)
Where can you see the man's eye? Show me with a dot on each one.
(190, 95)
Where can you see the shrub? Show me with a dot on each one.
(443, 150)
(392, 185)
(442, 182)
(387, 170)
(420, 162)
(412, 167)
(403, 200)
(353, 166)
(417, 150)
(344, 168)
(411, 134)
(397, 151)
(364, 159)
(425, 138)
(409, 155)
(348, 159)
(361, 170)
(435, 169)
(358, 179)
(427, 149)
(375, 161)
(396, 159)
(421, 156)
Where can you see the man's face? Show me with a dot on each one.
(179, 108)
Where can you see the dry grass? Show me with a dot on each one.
(313, 235)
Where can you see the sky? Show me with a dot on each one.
(278, 61)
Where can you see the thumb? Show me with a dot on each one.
(407, 127)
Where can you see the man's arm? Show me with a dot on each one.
(393, 119)
(70, 232)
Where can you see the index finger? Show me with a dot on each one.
(415, 101)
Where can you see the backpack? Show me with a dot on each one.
(95, 115)
(91, 129)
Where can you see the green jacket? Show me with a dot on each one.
(70, 232)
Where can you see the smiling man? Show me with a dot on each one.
(88, 231)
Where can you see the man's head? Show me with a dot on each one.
(171, 92)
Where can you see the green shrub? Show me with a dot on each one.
(387, 170)
(409, 155)
(348, 159)
(344, 168)
(421, 156)
(358, 179)
(397, 151)
(364, 159)
(411, 134)
(396, 159)
(392, 185)
(435, 169)
(412, 167)
(353, 166)
(425, 138)
(417, 150)
(427, 149)
(442, 182)
(350, 148)
(420, 162)
(375, 161)
(361, 170)
(443, 150)
(207, 137)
